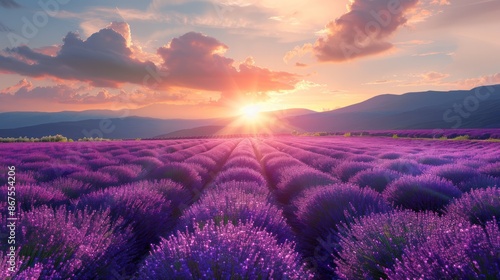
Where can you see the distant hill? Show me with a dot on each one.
(114, 128)
(22, 119)
(429, 109)
(416, 110)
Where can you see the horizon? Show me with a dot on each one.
(207, 59)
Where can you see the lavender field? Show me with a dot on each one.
(254, 208)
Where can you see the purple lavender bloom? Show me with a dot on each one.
(146, 153)
(294, 179)
(180, 173)
(424, 192)
(124, 173)
(478, 206)
(479, 182)
(376, 178)
(224, 252)
(178, 196)
(432, 160)
(390, 156)
(125, 158)
(96, 179)
(362, 158)
(234, 205)
(71, 188)
(240, 174)
(469, 253)
(34, 166)
(26, 177)
(119, 151)
(82, 244)
(241, 161)
(202, 160)
(372, 244)
(35, 157)
(320, 212)
(100, 162)
(55, 171)
(456, 173)
(492, 169)
(404, 166)
(31, 196)
(348, 169)
(145, 210)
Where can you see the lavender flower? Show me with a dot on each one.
(454, 172)
(425, 192)
(123, 173)
(180, 173)
(370, 246)
(240, 174)
(82, 244)
(348, 169)
(469, 253)
(321, 210)
(223, 252)
(31, 196)
(295, 179)
(479, 182)
(234, 205)
(478, 206)
(404, 166)
(376, 178)
(71, 188)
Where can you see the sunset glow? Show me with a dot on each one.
(187, 59)
(251, 112)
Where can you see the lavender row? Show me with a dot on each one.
(234, 229)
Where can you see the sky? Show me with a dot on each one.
(200, 59)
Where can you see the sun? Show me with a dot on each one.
(250, 112)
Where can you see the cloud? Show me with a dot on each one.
(433, 76)
(480, 81)
(383, 82)
(197, 61)
(363, 30)
(102, 60)
(366, 28)
(24, 91)
(108, 58)
(431, 54)
(24, 83)
(413, 43)
(300, 64)
(9, 4)
(440, 79)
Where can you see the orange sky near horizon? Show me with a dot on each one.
(204, 59)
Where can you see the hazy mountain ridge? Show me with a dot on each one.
(416, 110)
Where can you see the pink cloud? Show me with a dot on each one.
(363, 30)
(101, 60)
(197, 61)
(21, 84)
(108, 58)
(481, 81)
(24, 91)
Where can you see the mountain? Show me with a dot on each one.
(22, 119)
(114, 128)
(271, 122)
(476, 108)
(415, 110)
